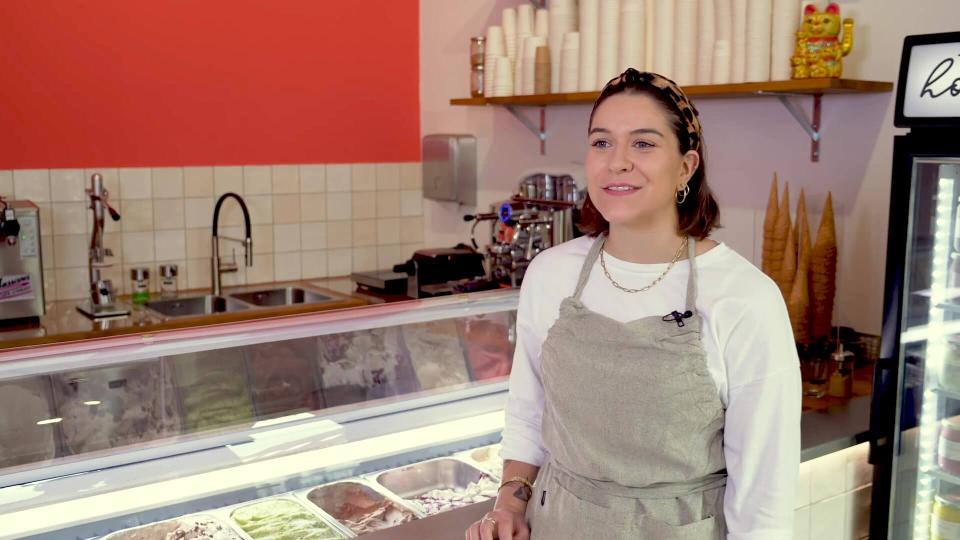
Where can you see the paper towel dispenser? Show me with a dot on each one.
(450, 168)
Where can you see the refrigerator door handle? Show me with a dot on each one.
(882, 407)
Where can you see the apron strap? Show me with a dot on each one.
(692, 278)
(592, 256)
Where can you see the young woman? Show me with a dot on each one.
(655, 391)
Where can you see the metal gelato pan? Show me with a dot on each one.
(439, 485)
(193, 527)
(360, 507)
(285, 518)
(486, 458)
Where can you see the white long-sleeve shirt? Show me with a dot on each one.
(750, 354)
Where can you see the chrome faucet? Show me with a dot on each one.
(220, 267)
(100, 303)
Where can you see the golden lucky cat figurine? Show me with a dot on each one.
(820, 50)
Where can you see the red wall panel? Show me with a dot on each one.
(207, 82)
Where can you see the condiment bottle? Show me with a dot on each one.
(139, 285)
(841, 382)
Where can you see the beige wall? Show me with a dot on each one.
(309, 221)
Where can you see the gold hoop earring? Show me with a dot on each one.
(682, 194)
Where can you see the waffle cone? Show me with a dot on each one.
(798, 305)
(769, 224)
(824, 272)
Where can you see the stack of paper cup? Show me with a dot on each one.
(524, 30)
(722, 50)
(570, 63)
(503, 78)
(495, 47)
(609, 42)
(509, 23)
(589, 36)
(706, 44)
(563, 19)
(685, 42)
(541, 74)
(738, 51)
(759, 19)
(633, 35)
(663, 28)
(541, 23)
(786, 17)
(530, 45)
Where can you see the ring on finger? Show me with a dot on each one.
(490, 519)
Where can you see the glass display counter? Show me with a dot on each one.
(324, 425)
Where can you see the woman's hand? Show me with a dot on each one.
(503, 523)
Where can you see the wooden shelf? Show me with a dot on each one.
(801, 86)
(785, 91)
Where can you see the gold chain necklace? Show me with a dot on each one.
(603, 264)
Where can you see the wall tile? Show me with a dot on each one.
(199, 243)
(48, 252)
(262, 269)
(262, 236)
(138, 247)
(6, 184)
(167, 183)
(313, 207)
(137, 215)
(411, 229)
(170, 245)
(411, 202)
(388, 231)
(411, 175)
(69, 218)
(257, 180)
(135, 183)
(313, 264)
(32, 184)
(388, 204)
(313, 179)
(46, 218)
(828, 519)
(364, 177)
(49, 285)
(859, 471)
(198, 212)
(801, 524)
(198, 181)
(387, 256)
(261, 209)
(828, 476)
(339, 234)
(198, 273)
(857, 513)
(339, 262)
(365, 232)
(388, 176)
(234, 279)
(71, 283)
(364, 205)
(67, 185)
(286, 238)
(286, 179)
(338, 177)
(114, 242)
(364, 259)
(286, 266)
(70, 250)
(286, 208)
(408, 249)
(227, 179)
(111, 182)
(168, 214)
(313, 236)
(339, 206)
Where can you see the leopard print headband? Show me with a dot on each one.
(667, 88)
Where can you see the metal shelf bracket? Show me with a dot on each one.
(812, 126)
(541, 132)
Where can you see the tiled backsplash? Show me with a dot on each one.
(309, 221)
(833, 496)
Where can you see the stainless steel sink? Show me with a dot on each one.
(283, 296)
(192, 306)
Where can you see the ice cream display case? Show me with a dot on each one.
(362, 421)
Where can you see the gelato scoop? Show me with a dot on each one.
(359, 507)
(281, 519)
(185, 528)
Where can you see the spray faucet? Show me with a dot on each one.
(219, 267)
(100, 303)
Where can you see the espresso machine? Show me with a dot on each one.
(541, 214)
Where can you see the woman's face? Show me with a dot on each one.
(634, 165)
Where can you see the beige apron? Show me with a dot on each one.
(633, 426)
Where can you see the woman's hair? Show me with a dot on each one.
(699, 212)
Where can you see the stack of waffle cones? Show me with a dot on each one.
(804, 270)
